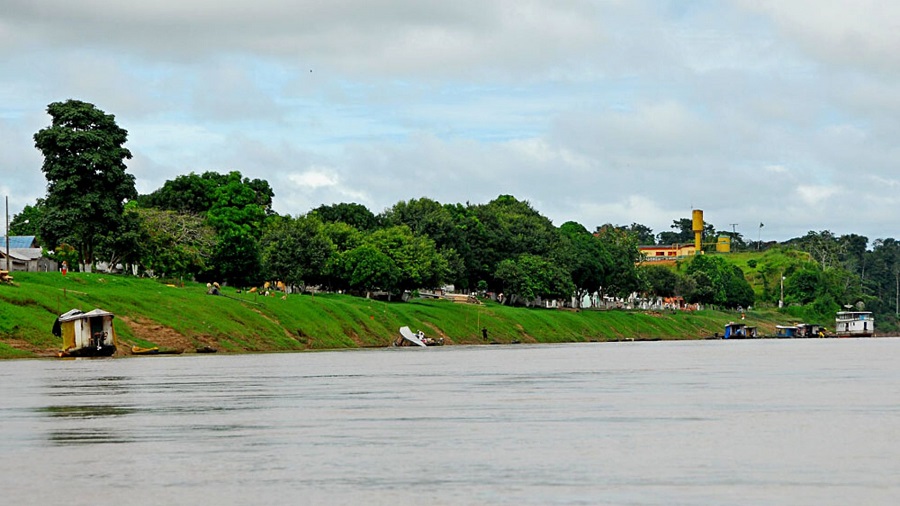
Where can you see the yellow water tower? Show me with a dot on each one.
(697, 228)
(723, 245)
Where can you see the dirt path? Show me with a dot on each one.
(160, 335)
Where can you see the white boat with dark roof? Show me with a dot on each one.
(854, 324)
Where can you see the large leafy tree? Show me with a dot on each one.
(528, 277)
(198, 193)
(173, 244)
(445, 225)
(296, 251)
(660, 281)
(643, 233)
(718, 282)
(366, 268)
(622, 249)
(87, 183)
(504, 229)
(419, 264)
(585, 257)
(356, 215)
(28, 221)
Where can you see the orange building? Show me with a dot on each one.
(670, 252)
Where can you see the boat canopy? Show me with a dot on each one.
(77, 314)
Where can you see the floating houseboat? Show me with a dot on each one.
(740, 331)
(88, 334)
(854, 324)
(800, 330)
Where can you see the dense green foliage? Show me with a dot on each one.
(87, 186)
(221, 227)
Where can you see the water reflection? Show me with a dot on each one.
(94, 436)
(86, 424)
(85, 411)
(100, 385)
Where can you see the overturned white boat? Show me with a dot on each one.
(409, 338)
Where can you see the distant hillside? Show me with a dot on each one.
(150, 313)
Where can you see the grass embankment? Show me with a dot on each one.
(149, 313)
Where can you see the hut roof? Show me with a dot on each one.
(77, 314)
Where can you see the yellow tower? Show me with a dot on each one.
(697, 228)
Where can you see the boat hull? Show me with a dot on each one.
(94, 351)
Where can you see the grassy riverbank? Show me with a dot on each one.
(149, 313)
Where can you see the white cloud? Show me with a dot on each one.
(313, 179)
(595, 112)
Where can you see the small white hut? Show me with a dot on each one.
(88, 334)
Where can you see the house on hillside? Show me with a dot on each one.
(24, 255)
(667, 252)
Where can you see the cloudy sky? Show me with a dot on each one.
(756, 111)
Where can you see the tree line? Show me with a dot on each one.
(221, 227)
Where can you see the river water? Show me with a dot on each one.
(773, 422)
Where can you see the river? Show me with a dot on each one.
(775, 422)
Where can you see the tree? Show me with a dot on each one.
(356, 215)
(445, 225)
(296, 251)
(197, 194)
(585, 257)
(718, 282)
(622, 249)
(528, 277)
(174, 244)
(236, 259)
(367, 268)
(418, 263)
(87, 183)
(642, 233)
(659, 280)
(504, 229)
(28, 222)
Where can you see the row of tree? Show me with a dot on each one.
(221, 227)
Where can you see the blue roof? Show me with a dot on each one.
(18, 241)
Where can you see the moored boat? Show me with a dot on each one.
(155, 350)
(408, 338)
(854, 324)
(88, 334)
(740, 331)
(800, 330)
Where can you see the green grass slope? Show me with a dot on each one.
(149, 313)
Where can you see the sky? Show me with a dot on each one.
(775, 118)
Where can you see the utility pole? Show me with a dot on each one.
(733, 235)
(781, 300)
(7, 235)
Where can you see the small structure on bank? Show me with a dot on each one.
(740, 331)
(88, 334)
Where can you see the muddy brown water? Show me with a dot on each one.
(771, 422)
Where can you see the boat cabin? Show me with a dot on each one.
(785, 331)
(88, 334)
(810, 330)
(800, 330)
(739, 331)
(854, 324)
